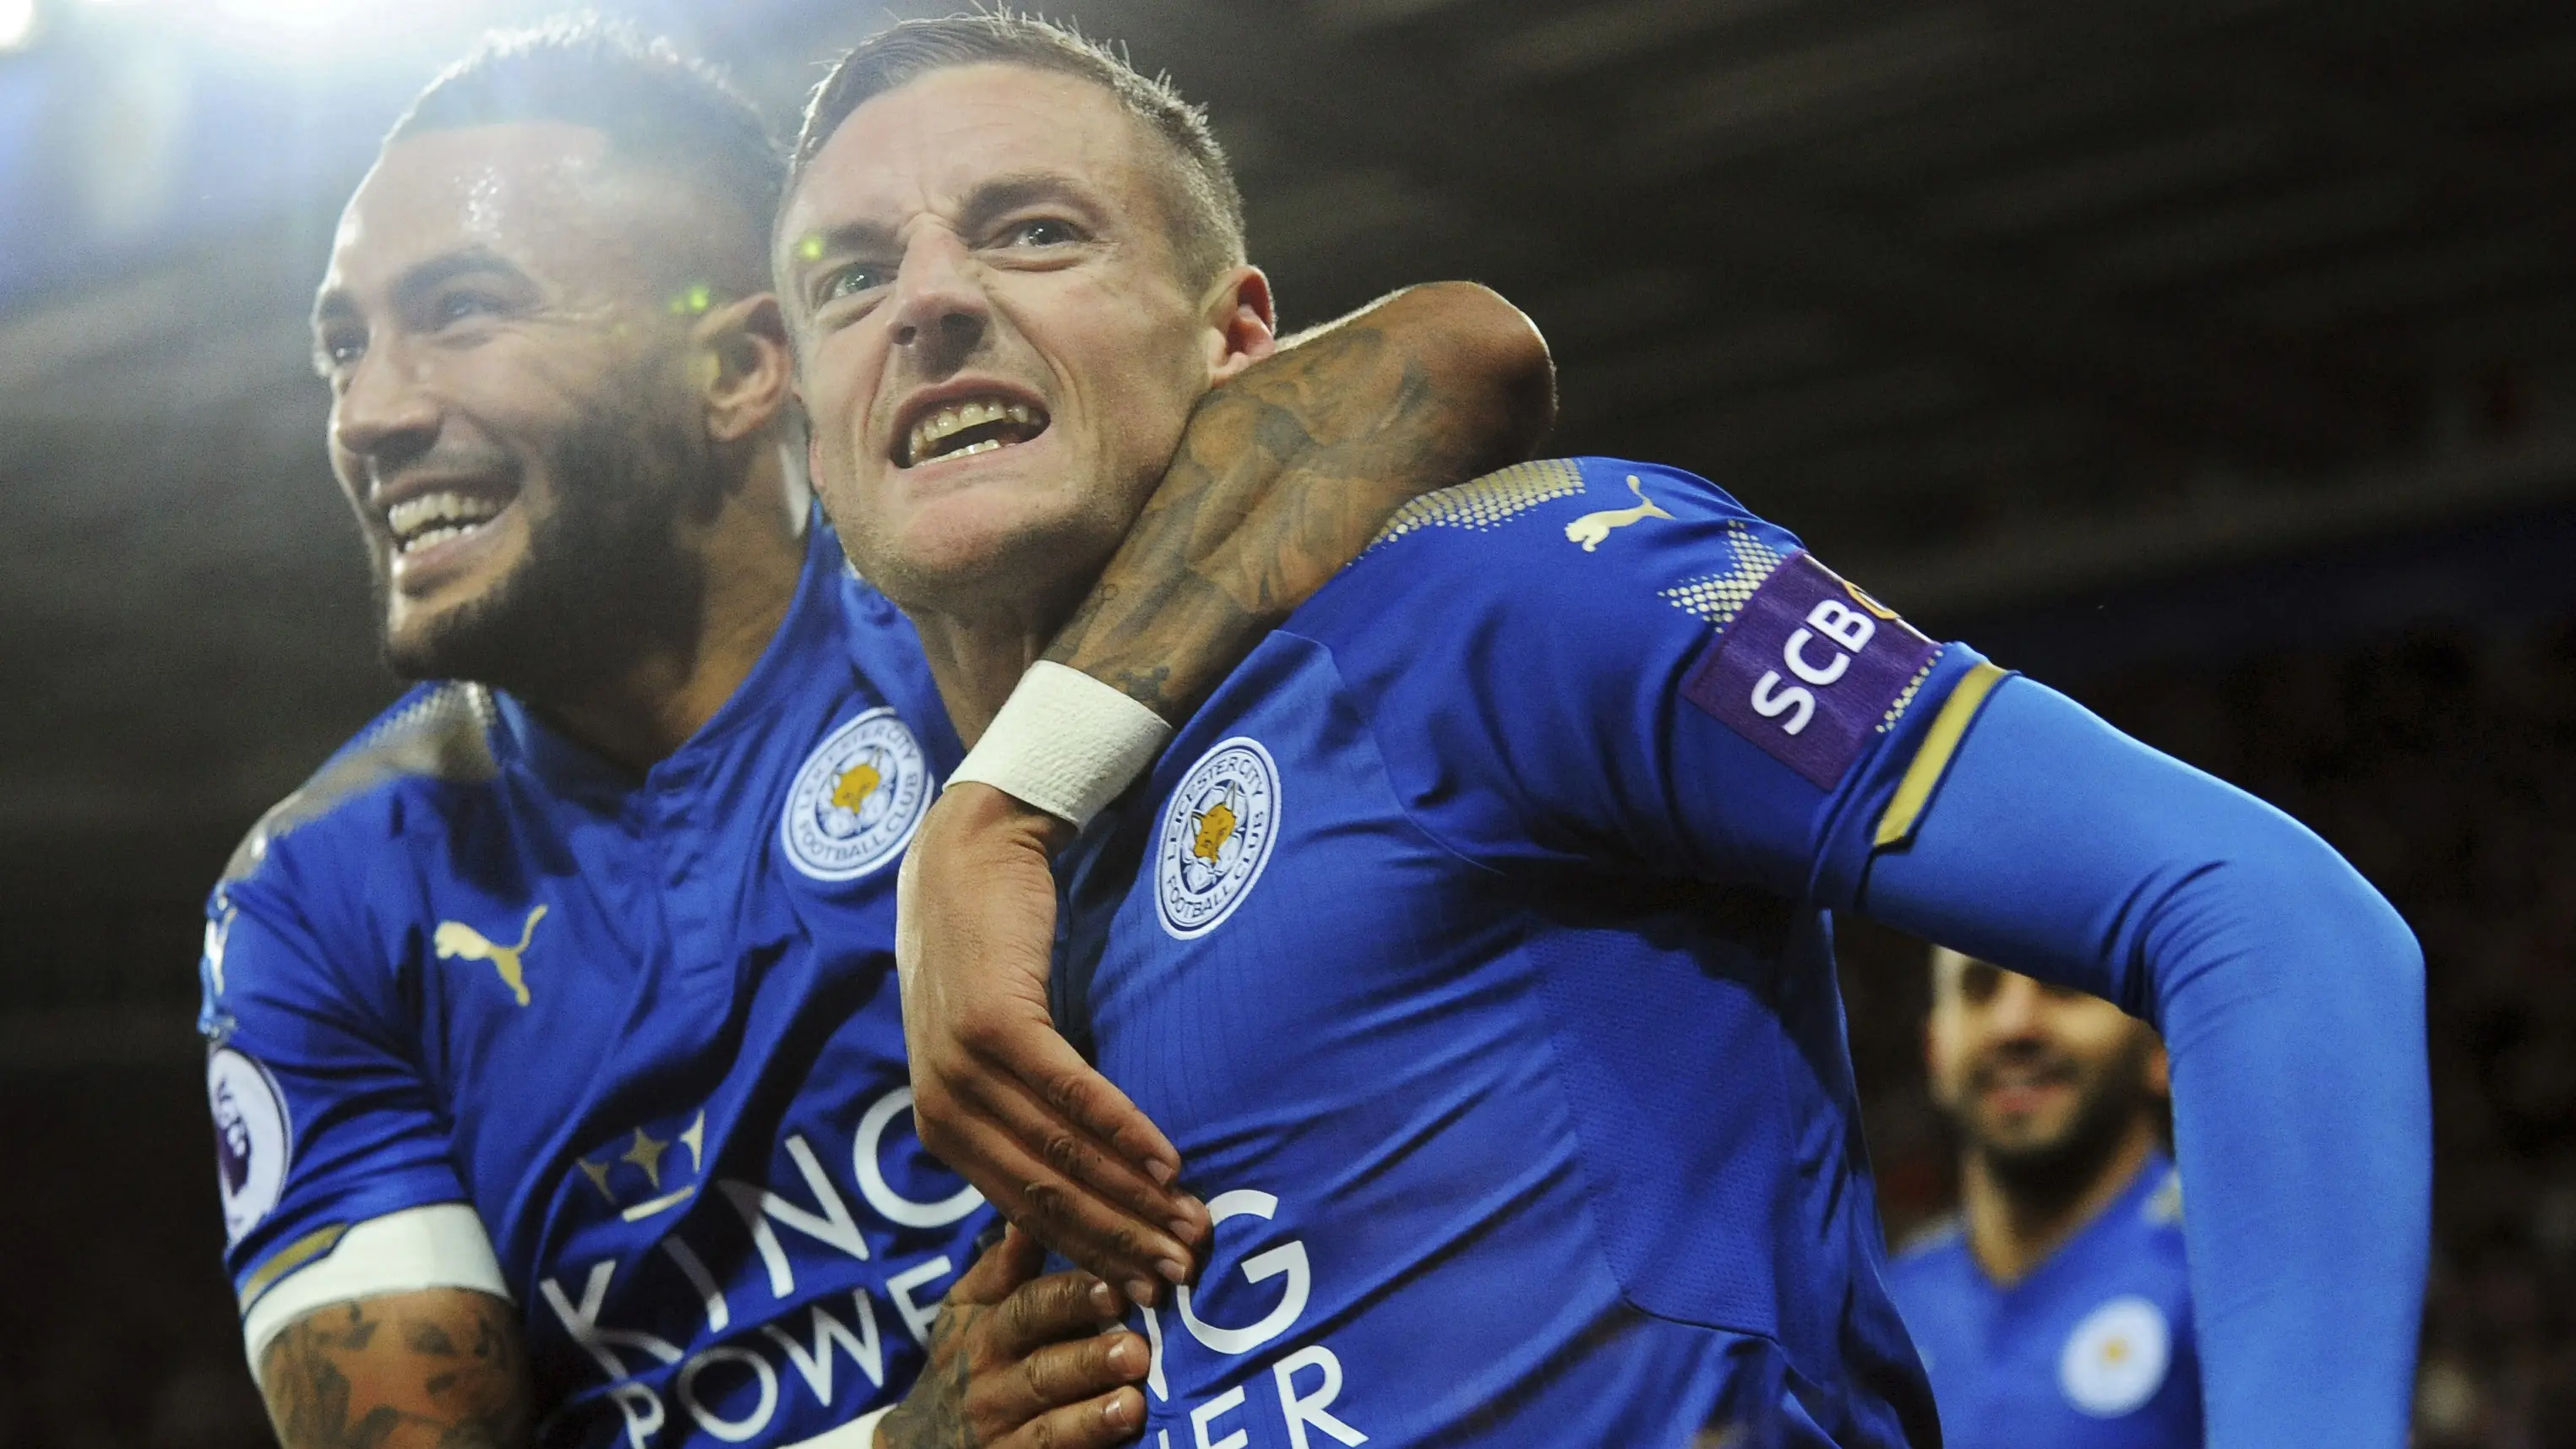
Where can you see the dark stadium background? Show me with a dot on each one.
(2211, 359)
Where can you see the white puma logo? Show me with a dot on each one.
(1591, 528)
(455, 938)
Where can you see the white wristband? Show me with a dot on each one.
(1066, 743)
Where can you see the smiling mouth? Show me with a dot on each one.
(963, 429)
(435, 518)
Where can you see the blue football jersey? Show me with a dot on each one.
(2091, 1350)
(644, 1027)
(1471, 945)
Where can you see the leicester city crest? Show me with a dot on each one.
(858, 799)
(1217, 831)
(253, 1138)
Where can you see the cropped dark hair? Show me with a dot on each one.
(1204, 208)
(656, 105)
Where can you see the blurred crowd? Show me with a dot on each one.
(2443, 764)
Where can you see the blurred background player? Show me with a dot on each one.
(2055, 1308)
(554, 1042)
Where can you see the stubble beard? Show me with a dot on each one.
(605, 579)
(2061, 1167)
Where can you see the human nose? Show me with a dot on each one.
(940, 310)
(385, 414)
(2014, 1013)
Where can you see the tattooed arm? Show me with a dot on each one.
(1289, 470)
(1016, 1359)
(1285, 474)
(438, 1367)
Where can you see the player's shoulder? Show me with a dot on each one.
(1574, 542)
(1562, 509)
(436, 737)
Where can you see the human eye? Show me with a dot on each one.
(337, 349)
(849, 279)
(1041, 231)
(462, 304)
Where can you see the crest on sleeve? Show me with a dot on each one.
(2115, 1359)
(1217, 832)
(253, 1138)
(857, 800)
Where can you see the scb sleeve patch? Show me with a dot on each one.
(1808, 669)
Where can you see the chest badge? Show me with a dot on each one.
(1216, 835)
(455, 939)
(2115, 1359)
(857, 799)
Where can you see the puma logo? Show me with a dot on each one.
(455, 938)
(1591, 528)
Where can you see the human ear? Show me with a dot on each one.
(1242, 324)
(749, 373)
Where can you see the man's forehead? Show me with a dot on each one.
(935, 139)
(503, 187)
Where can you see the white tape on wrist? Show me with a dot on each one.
(1066, 743)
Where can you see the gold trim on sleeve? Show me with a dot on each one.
(1914, 792)
(294, 1255)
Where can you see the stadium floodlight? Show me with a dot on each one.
(17, 24)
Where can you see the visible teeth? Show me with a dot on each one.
(437, 517)
(954, 419)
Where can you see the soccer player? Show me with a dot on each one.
(555, 1052)
(2054, 1309)
(1470, 940)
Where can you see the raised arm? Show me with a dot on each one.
(1285, 474)
(2292, 998)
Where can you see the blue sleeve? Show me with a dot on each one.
(2291, 998)
(1664, 685)
(324, 1115)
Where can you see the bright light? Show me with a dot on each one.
(17, 24)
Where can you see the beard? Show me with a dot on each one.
(2062, 1165)
(605, 579)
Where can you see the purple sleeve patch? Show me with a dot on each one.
(1808, 669)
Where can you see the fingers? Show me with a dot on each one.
(1092, 1376)
(1070, 1117)
(1079, 1093)
(1067, 1215)
(1057, 1306)
(1001, 1272)
(1113, 1418)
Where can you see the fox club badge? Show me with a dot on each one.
(857, 800)
(253, 1138)
(1216, 837)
